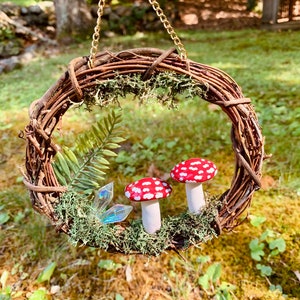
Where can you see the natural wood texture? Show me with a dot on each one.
(222, 90)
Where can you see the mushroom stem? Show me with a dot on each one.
(195, 197)
(151, 216)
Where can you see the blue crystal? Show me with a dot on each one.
(116, 213)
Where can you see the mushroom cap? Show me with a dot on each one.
(194, 170)
(146, 189)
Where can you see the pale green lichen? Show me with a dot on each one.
(163, 88)
(184, 229)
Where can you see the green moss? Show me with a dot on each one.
(180, 231)
(177, 231)
(164, 88)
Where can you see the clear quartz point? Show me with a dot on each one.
(116, 213)
(104, 196)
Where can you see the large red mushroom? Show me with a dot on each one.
(193, 172)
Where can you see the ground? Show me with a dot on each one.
(266, 65)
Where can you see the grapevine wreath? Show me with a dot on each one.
(101, 79)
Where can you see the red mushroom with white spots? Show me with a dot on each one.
(193, 172)
(148, 191)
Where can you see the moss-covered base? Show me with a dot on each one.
(177, 232)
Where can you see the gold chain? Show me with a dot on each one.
(169, 28)
(155, 5)
(96, 35)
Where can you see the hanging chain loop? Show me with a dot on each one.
(96, 35)
(155, 5)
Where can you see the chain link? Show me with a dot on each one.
(169, 28)
(96, 35)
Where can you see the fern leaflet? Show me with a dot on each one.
(83, 169)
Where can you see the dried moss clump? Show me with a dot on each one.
(180, 231)
(162, 87)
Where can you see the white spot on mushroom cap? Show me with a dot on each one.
(159, 195)
(193, 168)
(146, 183)
(182, 174)
(196, 163)
(211, 170)
(148, 196)
(136, 190)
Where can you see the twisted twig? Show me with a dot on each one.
(222, 90)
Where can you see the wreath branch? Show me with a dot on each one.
(217, 88)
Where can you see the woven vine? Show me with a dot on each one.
(78, 84)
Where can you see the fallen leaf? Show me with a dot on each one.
(153, 171)
(297, 273)
(268, 182)
(128, 273)
(54, 289)
(213, 107)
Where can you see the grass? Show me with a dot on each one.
(266, 65)
(23, 2)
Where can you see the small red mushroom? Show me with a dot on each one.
(148, 191)
(193, 172)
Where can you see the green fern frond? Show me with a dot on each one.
(84, 169)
